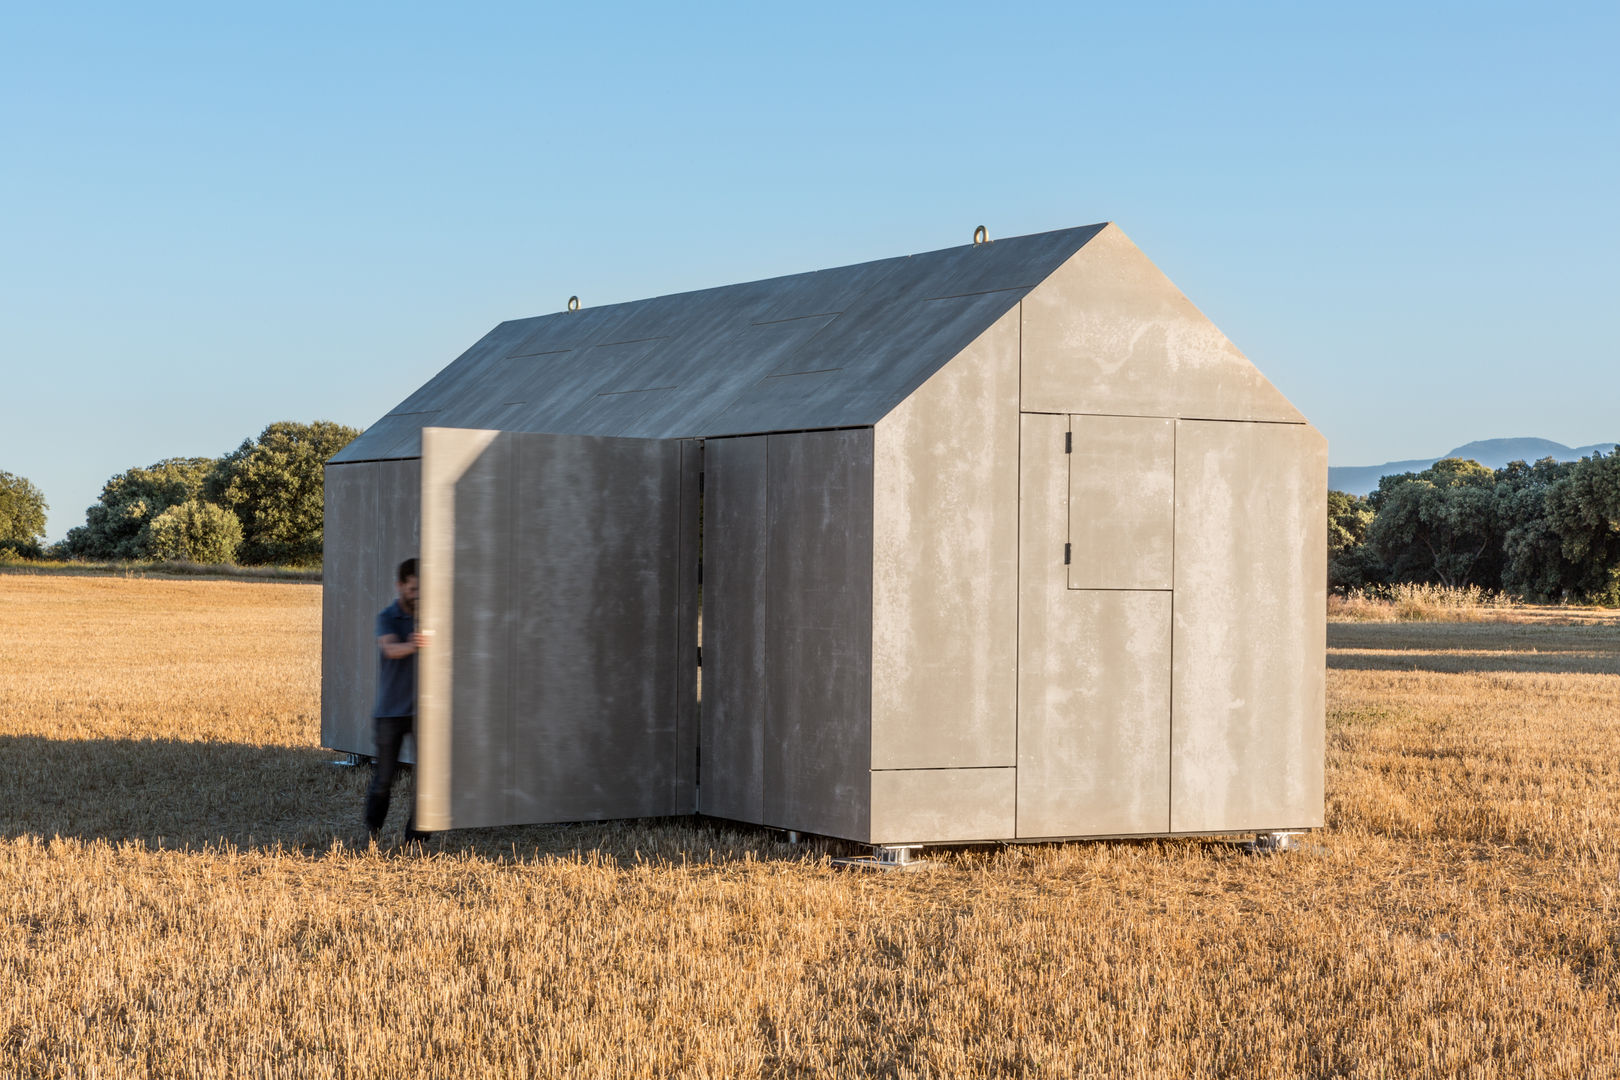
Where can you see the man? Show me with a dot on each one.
(398, 642)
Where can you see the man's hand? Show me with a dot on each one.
(395, 649)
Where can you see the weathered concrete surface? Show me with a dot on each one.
(1094, 675)
(943, 806)
(1107, 333)
(558, 652)
(818, 632)
(1250, 627)
(372, 515)
(945, 565)
(736, 590)
(689, 588)
(1122, 502)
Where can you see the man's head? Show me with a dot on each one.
(405, 582)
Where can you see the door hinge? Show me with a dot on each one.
(700, 571)
(1068, 442)
(700, 656)
(700, 483)
(1066, 554)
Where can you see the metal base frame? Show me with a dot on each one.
(885, 857)
(1273, 843)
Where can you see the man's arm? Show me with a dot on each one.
(395, 649)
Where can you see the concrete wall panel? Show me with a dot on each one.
(348, 667)
(683, 781)
(1094, 748)
(372, 524)
(463, 692)
(1107, 333)
(945, 565)
(736, 589)
(1122, 502)
(550, 579)
(1094, 675)
(1250, 626)
(943, 806)
(595, 640)
(818, 739)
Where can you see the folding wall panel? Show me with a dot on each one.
(818, 632)
(1250, 626)
(787, 597)
(1093, 675)
(731, 782)
(564, 633)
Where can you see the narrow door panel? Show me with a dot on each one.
(552, 580)
(1250, 626)
(1094, 674)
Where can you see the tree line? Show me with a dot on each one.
(260, 504)
(1548, 531)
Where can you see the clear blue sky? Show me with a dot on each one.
(217, 215)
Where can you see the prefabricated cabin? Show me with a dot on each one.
(1000, 542)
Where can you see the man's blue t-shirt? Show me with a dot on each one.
(396, 679)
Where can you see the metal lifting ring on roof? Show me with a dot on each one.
(981, 236)
(573, 303)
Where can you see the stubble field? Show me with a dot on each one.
(184, 891)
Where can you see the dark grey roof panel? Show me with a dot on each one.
(831, 348)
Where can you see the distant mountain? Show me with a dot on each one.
(1491, 453)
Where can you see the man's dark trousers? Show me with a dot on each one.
(391, 732)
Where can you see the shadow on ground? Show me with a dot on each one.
(174, 794)
(1467, 663)
(1467, 648)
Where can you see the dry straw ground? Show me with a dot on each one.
(181, 893)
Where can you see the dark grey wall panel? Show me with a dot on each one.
(683, 783)
(347, 668)
(595, 635)
(553, 583)
(818, 740)
(736, 589)
(372, 523)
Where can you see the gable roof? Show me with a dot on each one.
(831, 348)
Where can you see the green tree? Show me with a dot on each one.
(1439, 525)
(1533, 562)
(1351, 562)
(115, 526)
(276, 487)
(195, 531)
(22, 514)
(1583, 510)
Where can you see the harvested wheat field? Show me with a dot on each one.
(184, 892)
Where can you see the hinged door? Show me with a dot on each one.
(559, 582)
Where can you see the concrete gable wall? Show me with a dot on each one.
(1108, 334)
